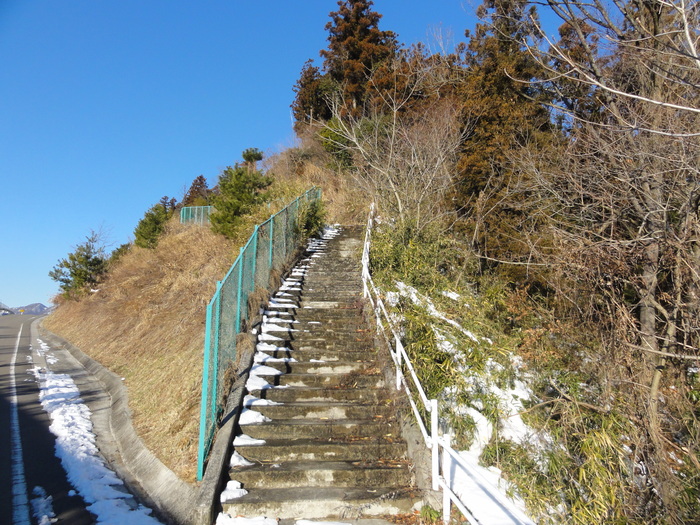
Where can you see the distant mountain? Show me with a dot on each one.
(30, 309)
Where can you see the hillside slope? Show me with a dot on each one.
(146, 324)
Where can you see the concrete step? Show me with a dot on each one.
(314, 330)
(301, 318)
(328, 368)
(304, 449)
(311, 314)
(365, 380)
(326, 502)
(318, 354)
(317, 339)
(325, 410)
(325, 474)
(292, 394)
(338, 429)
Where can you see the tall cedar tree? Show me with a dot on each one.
(198, 194)
(356, 46)
(507, 115)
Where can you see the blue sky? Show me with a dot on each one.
(107, 105)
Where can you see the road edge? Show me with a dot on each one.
(146, 476)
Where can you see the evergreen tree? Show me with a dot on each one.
(356, 47)
(312, 90)
(198, 194)
(507, 114)
(239, 190)
(82, 269)
(251, 156)
(150, 228)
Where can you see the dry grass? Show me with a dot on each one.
(146, 324)
(309, 165)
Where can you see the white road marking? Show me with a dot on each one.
(20, 501)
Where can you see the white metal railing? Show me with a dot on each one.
(439, 445)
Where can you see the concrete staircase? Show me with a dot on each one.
(318, 437)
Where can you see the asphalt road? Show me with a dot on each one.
(27, 447)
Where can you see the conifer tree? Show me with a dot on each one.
(507, 114)
(239, 190)
(82, 269)
(198, 194)
(356, 47)
(251, 156)
(312, 90)
(151, 227)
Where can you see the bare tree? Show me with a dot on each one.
(404, 145)
(623, 201)
(657, 40)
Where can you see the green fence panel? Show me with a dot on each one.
(196, 214)
(262, 255)
(269, 248)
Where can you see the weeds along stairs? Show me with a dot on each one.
(318, 434)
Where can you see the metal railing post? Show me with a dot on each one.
(399, 360)
(255, 252)
(434, 441)
(238, 298)
(447, 476)
(272, 237)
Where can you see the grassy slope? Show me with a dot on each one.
(146, 324)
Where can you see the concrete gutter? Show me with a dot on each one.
(172, 500)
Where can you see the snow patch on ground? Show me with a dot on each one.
(42, 507)
(245, 440)
(239, 461)
(100, 488)
(482, 489)
(250, 417)
(425, 303)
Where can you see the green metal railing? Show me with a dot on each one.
(196, 214)
(273, 242)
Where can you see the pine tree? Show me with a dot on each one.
(82, 269)
(239, 190)
(251, 156)
(151, 227)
